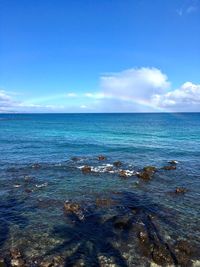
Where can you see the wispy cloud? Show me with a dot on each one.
(9, 104)
(71, 95)
(188, 7)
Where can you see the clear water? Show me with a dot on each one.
(31, 198)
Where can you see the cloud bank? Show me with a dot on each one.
(133, 90)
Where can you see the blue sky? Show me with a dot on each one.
(99, 56)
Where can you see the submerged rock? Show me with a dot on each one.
(101, 157)
(144, 242)
(168, 168)
(150, 169)
(17, 262)
(36, 166)
(184, 246)
(86, 169)
(184, 252)
(161, 255)
(27, 190)
(71, 207)
(15, 253)
(123, 174)
(126, 173)
(100, 202)
(180, 190)
(2, 263)
(117, 163)
(145, 175)
(122, 224)
(75, 159)
(147, 172)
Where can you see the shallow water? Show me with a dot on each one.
(38, 174)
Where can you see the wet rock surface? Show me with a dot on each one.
(70, 207)
(144, 175)
(117, 163)
(180, 190)
(101, 157)
(86, 169)
(168, 168)
(147, 172)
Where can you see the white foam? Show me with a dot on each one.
(41, 185)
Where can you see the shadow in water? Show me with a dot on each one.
(141, 212)
(9, 214)
(87, 239)
(95, 233)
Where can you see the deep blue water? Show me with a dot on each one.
(32, 197)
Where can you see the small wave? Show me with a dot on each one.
(109, 168)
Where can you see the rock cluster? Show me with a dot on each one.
(147, 172)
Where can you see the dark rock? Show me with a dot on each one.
(86, 169)
(101, 157)
(180, 190)
(27, 190)
(71, 207)
(184, 246)
(145, 175)
(161, 256)
(117, 163)
(168, 168)
(145, 246)
(184, 251)
(123, 174)
(147, 172)
(143, 236)
(150, 169)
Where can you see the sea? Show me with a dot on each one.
(71, 193)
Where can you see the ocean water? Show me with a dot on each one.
(41, 161)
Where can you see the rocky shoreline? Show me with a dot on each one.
(96, 237)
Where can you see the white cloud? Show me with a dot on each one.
(146, 89)
(83, 106)
(71, 95)
(186, 97)
(135, 83)
(133, 90)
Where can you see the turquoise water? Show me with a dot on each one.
(32, 196)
